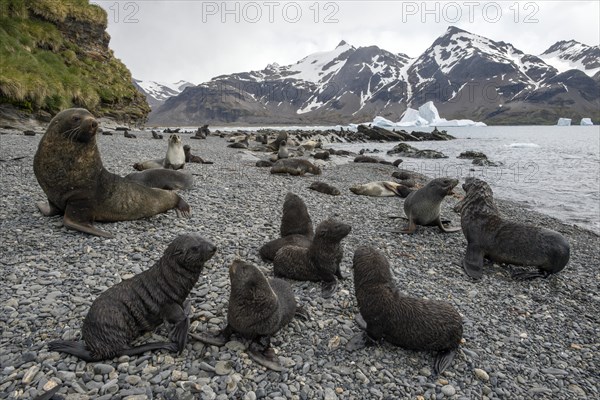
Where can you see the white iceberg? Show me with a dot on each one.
(564, 122)
(426, 116)
(586, 122)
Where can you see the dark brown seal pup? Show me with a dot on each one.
(295, 166)
(141, 304)
(69, 169)
(326, 188)
(242, 144)
(163, 179)
(320, 261)
(422, 207)
(189, 157)
(411, 323)
(489, 235)
(296, 227)
(156, 135)
(258, 308)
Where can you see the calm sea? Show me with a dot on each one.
(551, 169)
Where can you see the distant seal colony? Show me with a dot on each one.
(489, 235)
(69, 169)
(142, 303)
(407, 322)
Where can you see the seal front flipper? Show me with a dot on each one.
(266, 357)
(443, 359)
(219, 340)
(411, 228)
(48, 209)
(73, 348)
(302, 313)
(179, 319)
(136, 351)
(183, 209)
(529, 275)
(473, 262)
(78, 217)
(328, 288)
(357, 342)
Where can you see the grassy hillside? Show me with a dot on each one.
(54, 55)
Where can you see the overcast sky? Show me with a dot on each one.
(168, 41)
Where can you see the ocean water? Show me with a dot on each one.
(551, 169)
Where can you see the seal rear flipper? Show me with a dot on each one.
(328, 288)
(48, 209)
(49, 394)
(443, 359)
(473, 262)
(266, 358)
(440, 225)
(302, 313)
(529, 275)
(74, 348)
(183, 209)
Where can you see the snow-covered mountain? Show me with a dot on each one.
(157, 92)
(565, 55)
(464, 74)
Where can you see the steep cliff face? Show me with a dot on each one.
(55, 55)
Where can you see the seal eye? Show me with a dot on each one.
(76, 118)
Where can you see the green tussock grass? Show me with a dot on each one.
(41, 69)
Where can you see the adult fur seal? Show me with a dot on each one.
(258, 308)
(69, 169)
(326, 188)
(295, 166)
(407, 322)
(283, 150)
(320, 261)
(142, 303)
(296, 227)
(422, 207)
(175, 157)
(381, 189)
(489, 235)
(163, 179)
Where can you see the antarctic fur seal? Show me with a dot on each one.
(156, 135)
(411, 323)
(175, 157)
(283, 150)
(148, 164)
(242, 144)
(167, 179)
(69, 169)
(422, 207)
(320, 261)
(140, 304)
(489, 235)
(296, 227)
(189, 157)
(258, 308)
(295, 166)
(381, 189)
(325, 188)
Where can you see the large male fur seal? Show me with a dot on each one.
(258, 308)
(175, 157)
(295, 166)
(142, 303)
(422, 207)
(381, 189)
(489, 235)
(163, 179)
(320, 261)
(69, 169)
(296, 227)
(407, 322)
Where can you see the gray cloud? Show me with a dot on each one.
(197, 40)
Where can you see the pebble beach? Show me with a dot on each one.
(522, 340)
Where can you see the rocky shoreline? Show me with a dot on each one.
(522, 340)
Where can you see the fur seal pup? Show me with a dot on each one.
(264, 163)
(163, 179)
(175, 158)
(296, 227)
(422, 207)
(129, 135)
(295, 166)
(283, 150)
(274, 145)
(242, 144)
(489, 235)
(322, 155)
(189, 157)
(148, 164)
(380, 189)
(410, 323)
(141, 304)
(258, 308)
(320, 261)
(156, 135)
(69, 169)
(326, 188)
